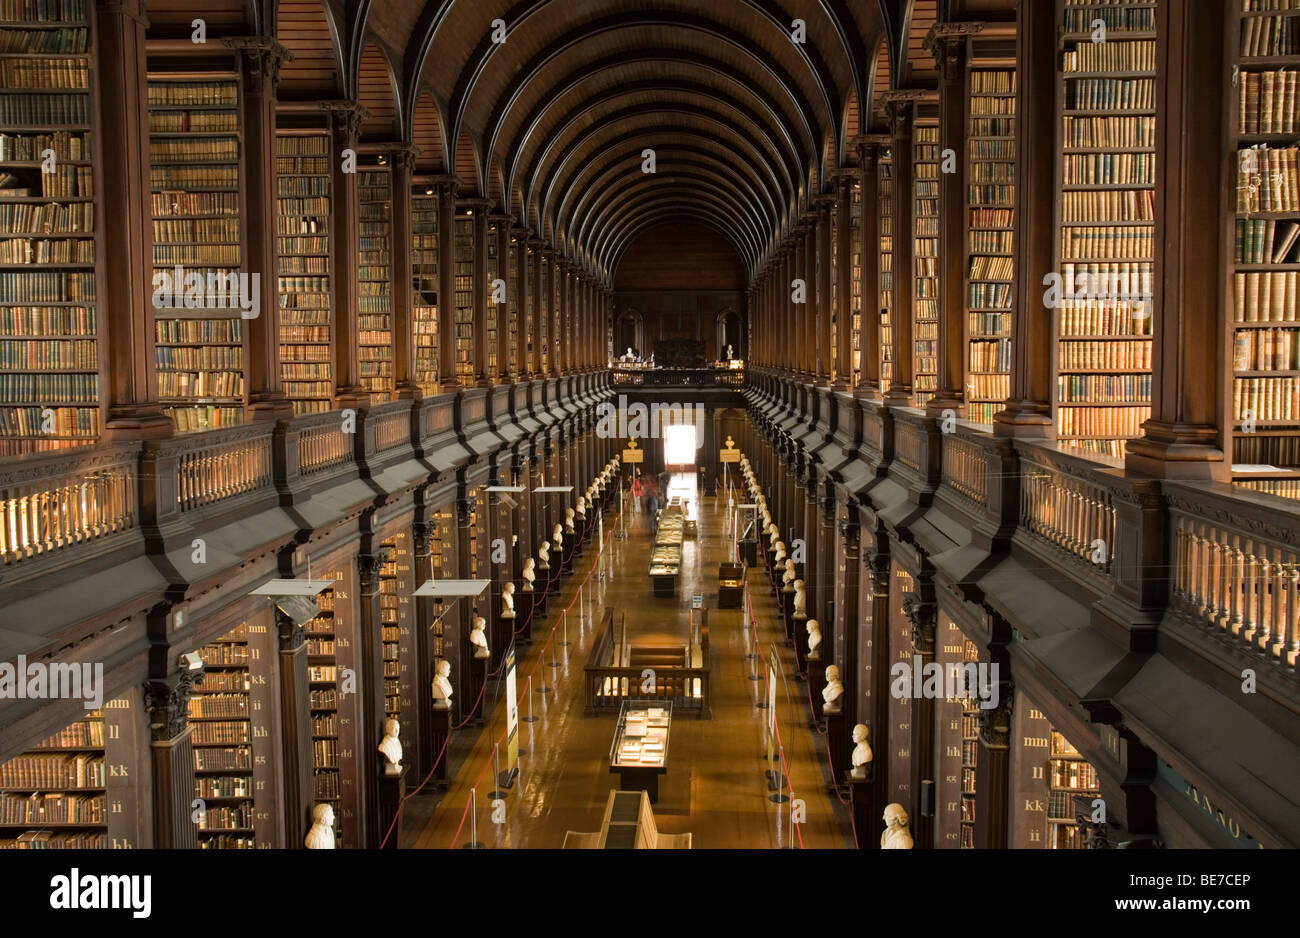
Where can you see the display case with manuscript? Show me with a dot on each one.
(639, 753)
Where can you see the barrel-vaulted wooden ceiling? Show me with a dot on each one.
(547, 106)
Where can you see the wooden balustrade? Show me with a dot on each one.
(873, 430)
(52, 502)
(212, 467)
(909, 444)
(1243, 583)
(392, 424)
(609, 684)
(966, 468)
(1067, 507)
(323, 444)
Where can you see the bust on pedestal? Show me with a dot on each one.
(529, 574)
(391, 747)
(544, 556)
(568, 521)
(557, 538)
(800, 600)
(478, 638)
(442, 689)
(833, 690)
(508, 601)
(321, 835)
(861, 757)
(814, 639)
(896, 835)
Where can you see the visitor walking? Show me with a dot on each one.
(637, 491)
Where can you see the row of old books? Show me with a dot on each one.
(65, 41)
(231, 732)
(1130, 56)
(45, 251)
(186, 384)
(197, 418)
(209, 204)
(1269, 36)
(1265, 297)
(46, 286)
(1266, 350)
(51, 808)
(1114, 17)
(42, 11)
(198, 122)
(198, 331)
(1104, 356)
(990, 355)
(223, 94)
(209, 705)
(49, 389)
(1107, 423)
(79, 422)
(1265, 241)
(59, 771)
(47, 217)
(1268, 179)
(1106, 94)
(1086, 133)
(1266, 102)
(1109, 169)
(1266, 398)
(1107, 242)
(1107, 389)
(1108, 206)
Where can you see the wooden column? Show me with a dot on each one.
(869, 179)
(993, 773)
(533, 247)
(167, 703)
(808, 333)
(422, 531)
(295, 731)
(1028, 413)
(499, 229)
(922, 614)
(447, 380)
(846, 615)
(843, 274)
(478, 211)
(260, 59)
(880, 664)
(949, 44)
(1195, 192)
(523, 290)
(401, 158)
(823, 365)
(902, 125)
(548, 305)
(345, 128)
(124, 273)
(370, 699)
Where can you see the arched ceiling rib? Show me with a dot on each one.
(739, 114)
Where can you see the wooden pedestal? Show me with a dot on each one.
(478, 669)
(787, 614)
(866, 813)
(524, 613)
(799, 627)
(440, 732)
(392, 789)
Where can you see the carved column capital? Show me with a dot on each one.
(167, 701)
(404, 156)
(922, 616)
(261, 57)
(368, 566)
(995, 722)
(292, 635)
(346, 118)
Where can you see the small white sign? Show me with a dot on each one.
(697, 601)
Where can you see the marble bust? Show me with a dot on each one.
(861, 757)
(557, 536)
(800, 599)
(529, 574)
(391, 747)
(780, 552)
(478, 638)
(896, 835)
(787, 578)
(442, 685)
(582, 505)
(833, 690)
(814, 636)
(544, 555)
(321, 835)
(508, 601)
(568, 521)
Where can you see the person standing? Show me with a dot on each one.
(652, 511)
(637, 492)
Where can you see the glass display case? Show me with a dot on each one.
(639, 752)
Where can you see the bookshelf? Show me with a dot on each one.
(374, 286)
(1069, 775)
(925, 337)
(55, 794)
(513, 286)
(1106, 231)
(442, 556)
(302, 183)
(494, 271)
(50, 376)
(970, 728)
(463, 272)
(990, 222)
(544, 315)
(833, 309)
(195, 181)
(1264, 398)
(330, 653)
(424, 270)
(855, 281)
(221, 732)
(388, 596)
(885, 203)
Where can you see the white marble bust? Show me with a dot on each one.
(544, 555)
(787, 579)
(391, 747)
(896, 835)
(814, 635)
(780, 553)
(321, 835)
(568, 521)
(508, 601)
(833, 690)
(582, 505)
(861, 757)
(800, 599)
(478, 638)
(529, 574)
(557, 537)
(442, 685)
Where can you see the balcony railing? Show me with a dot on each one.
(714, 376)
(212, 467)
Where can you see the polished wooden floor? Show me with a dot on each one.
(715, 787)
